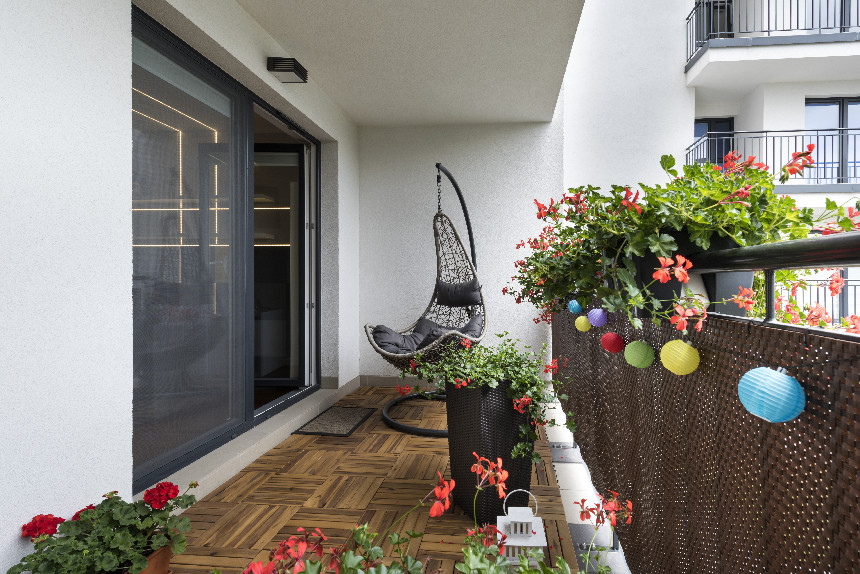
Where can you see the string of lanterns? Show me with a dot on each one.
(770, 394)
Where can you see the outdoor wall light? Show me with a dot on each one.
(287, 70)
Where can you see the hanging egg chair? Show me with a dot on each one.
(456, 309)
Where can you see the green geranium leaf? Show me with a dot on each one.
(663, 245)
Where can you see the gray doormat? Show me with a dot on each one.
(337, 421)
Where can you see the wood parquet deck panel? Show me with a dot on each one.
(334, 483)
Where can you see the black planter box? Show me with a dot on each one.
(484, 421)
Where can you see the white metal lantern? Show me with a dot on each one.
(523, 529)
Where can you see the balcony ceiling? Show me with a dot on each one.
(420, 62)
(739, 69)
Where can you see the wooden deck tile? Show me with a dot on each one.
(335, 483)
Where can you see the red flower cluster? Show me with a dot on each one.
(290, 554)
(745, 298)
(489, 535)
(629, 203)
(521, 404)
(680, 320)
(731, 164)
(799, 160)
(442, 492)
(817, 313)
(610, 510)
(552, 367)
(853, 324)
(158, 496)
(78, 513)
(737, 196)
(836, 284)
(492, 472)
(466, 343)
(42, 524)
(662, 274)
(404, 390)
(460, 383)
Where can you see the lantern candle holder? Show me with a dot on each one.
(523, 529)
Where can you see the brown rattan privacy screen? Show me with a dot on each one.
(715, 489)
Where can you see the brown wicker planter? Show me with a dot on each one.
(484, 421)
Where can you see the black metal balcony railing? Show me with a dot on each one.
(837, 151)
(711, 19)
(845, 304)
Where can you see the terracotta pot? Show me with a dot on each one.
(159, 562)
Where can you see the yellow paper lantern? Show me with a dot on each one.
(679, 357)
(582, 323)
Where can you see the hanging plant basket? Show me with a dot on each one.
(483, 420)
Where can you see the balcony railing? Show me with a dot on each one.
(837, 151)
(711, 19)
(845, 304)
(710, 482)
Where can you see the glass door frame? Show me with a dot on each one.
(148, 29)
(306, 369)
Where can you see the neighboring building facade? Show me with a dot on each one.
(699, 79)
(192, 247)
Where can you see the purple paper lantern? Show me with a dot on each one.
(597, 317)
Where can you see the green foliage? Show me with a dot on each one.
(475, 366)
(114, 536)
(587, 248)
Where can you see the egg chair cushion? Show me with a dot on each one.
(396, 343)
(471, 329)
(458, 294)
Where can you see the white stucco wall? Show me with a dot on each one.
(626, 99)
(500, 169)
(228, 36)
(65, 285)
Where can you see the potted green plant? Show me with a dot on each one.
(597, 246)
(112, 536)
(496, 400)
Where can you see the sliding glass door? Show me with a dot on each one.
(221, 234)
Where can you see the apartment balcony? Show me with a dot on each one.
(766, 41)
(837, 155)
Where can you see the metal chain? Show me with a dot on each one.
(439, 188)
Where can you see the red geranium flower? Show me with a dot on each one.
(158, 496)
(662, 274)
(442, 492)
(42, 524)
(681, 269)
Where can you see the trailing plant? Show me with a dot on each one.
(472, 366)
(112, 536)
(588, 247)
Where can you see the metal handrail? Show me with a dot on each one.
(835, 250)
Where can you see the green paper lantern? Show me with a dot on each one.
(582, 323)
(639, 354)
(679, 357)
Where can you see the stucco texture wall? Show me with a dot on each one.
(500, 169)
(626, 99)
(65, 284)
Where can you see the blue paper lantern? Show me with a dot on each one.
(574, 306)
(597, 317)
(771, 394)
